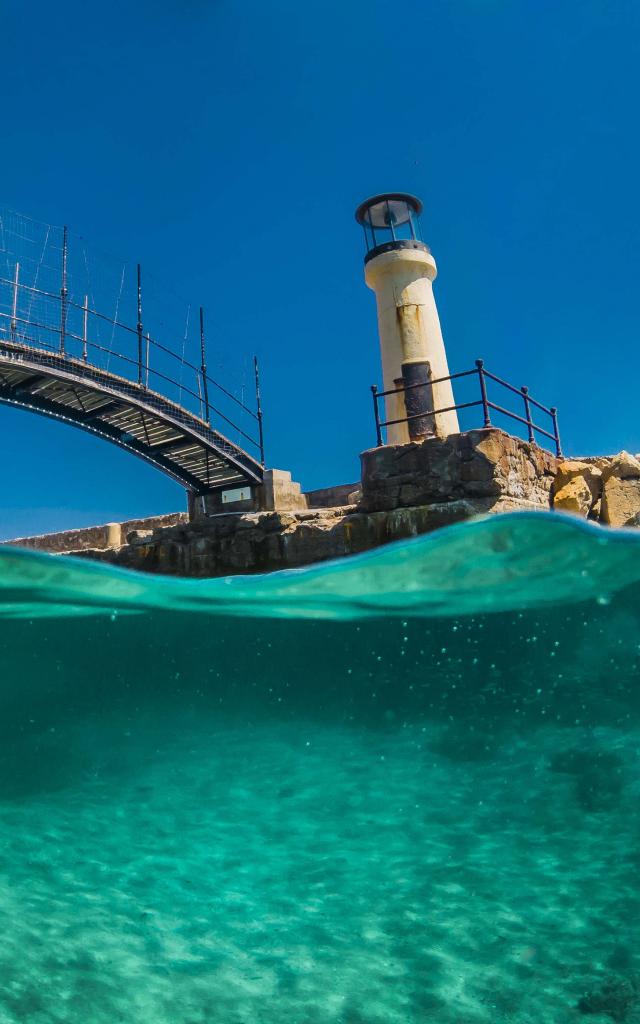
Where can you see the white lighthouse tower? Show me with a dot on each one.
(400, 269)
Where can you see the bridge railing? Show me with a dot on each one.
(61, 321)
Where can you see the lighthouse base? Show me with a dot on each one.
(479, 465)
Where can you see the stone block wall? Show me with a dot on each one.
(97, 538)
(333, 497)
(488, 467)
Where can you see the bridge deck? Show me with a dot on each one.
(137, 419)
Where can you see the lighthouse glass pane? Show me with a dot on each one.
(390, 221)
(389, 212)
(403, 231)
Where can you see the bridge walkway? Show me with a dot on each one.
(130, 415)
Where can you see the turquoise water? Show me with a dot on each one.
(399, 789)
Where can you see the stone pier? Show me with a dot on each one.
(405, 490)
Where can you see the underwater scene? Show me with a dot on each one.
(397, 789)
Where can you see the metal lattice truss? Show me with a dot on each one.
(139, 420)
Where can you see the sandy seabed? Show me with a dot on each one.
(207, 871)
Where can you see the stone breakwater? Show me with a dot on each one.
(265, 541)
(405, 490)
(605, 489)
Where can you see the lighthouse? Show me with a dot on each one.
(400, 269)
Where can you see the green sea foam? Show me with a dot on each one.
(401, 788)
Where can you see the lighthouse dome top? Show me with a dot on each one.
(390, 221)
(388, 208)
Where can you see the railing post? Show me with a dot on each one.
(483, 392)
(139, 326)
(376, 413)
(259, 410)
(556, 432)
(203, 368)
(63, 291)
(146, 360)
(199, 387)
(527, 413)
(85, 322)
(14, 304)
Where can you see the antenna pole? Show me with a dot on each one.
(63, 291)
(203, 353)
(14, 305)
(199, 386)
(85, 320)
(139, 326)
(259, 410)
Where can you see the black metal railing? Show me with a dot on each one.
(484, 402)
(67, 324)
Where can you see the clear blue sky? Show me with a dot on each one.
(225, 145)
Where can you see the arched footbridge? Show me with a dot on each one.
(63, 358)
(141, 421)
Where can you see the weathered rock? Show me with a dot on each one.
(598, 774)
(596, 510)
(577, 487)
(575, 497)
(572, 468)
(568, 469)
(616, 997)
(623, 466)
(135, 536)
(620, 501)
